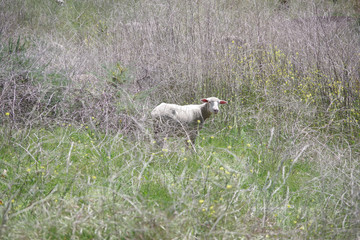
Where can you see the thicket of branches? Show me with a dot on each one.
(81, 60)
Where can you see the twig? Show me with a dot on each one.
(35, 203)
(68, 163)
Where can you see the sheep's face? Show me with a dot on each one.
(213, 104)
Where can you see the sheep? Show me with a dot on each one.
(176, 120)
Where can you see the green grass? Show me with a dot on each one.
(75, 182)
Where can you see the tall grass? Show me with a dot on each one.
(78, 81)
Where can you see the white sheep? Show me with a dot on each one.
(176, 120)
(61, 2)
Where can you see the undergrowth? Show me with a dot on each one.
(77, 182)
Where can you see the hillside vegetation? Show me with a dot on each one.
(78, 82)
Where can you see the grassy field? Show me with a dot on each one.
(78, 81)
(69, 182)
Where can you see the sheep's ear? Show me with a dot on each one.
(204, 100)
(223, 102)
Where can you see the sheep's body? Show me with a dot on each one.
(176, 120)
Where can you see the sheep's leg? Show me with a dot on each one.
(193, 139)
(159, 141)
(157, 135)
(190, 145)
(190, 142)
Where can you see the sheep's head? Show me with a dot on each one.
(213, 104)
